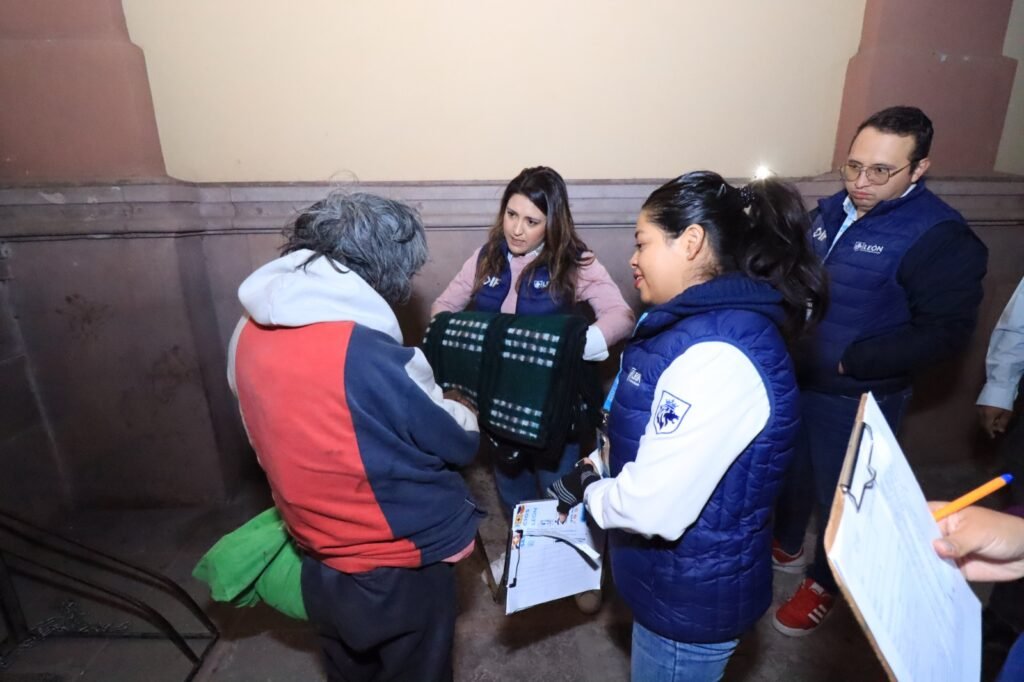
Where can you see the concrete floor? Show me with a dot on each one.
(553, 642)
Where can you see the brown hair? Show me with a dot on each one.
(563, 250)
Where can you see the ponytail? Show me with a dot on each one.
(777, 251)
(760, 229)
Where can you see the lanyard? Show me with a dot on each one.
(607, 407)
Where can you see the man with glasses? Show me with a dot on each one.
(905, 283)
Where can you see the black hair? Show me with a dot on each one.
(760, 230)
(904, 121)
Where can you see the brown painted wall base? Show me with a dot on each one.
(944, 56)
(32, 483)
(125, 298)
(77, 106)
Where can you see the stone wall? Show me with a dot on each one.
(32, 483)
(117, 303)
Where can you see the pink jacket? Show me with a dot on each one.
(594, 285)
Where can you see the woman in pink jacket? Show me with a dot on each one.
(534, 263)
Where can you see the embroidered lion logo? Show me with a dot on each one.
(669, 413)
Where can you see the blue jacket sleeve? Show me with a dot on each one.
(941, 275)
(441, 427)
(391, 391)
(434, 430)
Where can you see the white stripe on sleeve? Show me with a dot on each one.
(419, 371)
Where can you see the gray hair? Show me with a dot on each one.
(381, 240)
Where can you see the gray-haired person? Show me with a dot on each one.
(360, 447)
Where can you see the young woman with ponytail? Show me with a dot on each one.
(704, 417)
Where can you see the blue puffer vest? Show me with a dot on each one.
(713, 583)
(534, 297)
(865, 297)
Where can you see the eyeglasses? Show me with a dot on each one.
(876, 175)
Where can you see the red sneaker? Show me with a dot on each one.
(784, 562)
(802, 614)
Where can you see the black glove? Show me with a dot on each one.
(568, 490)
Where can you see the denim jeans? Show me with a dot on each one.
(826, 423)
(530, 483)
(659, 659)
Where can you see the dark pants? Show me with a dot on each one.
(385, 624)
(1004, 615)
(1007, 600)
(1011, 458)
(531, 482)
(826, 424)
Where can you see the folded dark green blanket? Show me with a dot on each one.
(524, 373)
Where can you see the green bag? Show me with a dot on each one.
(256, 562)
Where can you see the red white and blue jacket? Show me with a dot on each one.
(360, 448)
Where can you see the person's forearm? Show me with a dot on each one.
(456, 296)
(1004, 361)
(986, 544)
(616, 324)
(941, 277)
(905, 351)
(613, 316)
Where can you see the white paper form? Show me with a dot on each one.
(549, 560)
(921, 613)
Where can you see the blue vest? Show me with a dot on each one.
(865, 297)
(713, 583)
(534, 294)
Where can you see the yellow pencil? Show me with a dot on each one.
(972, 497)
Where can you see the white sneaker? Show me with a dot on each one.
(497, 567)
(784, 562)
(589, 602)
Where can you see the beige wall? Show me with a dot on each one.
(1011, 150)
(262, 90)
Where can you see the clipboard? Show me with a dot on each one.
(846, 484)
(548, 559)
(928, 626)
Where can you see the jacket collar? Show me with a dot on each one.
(832, 207)
(293, 291)
(731, 291)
